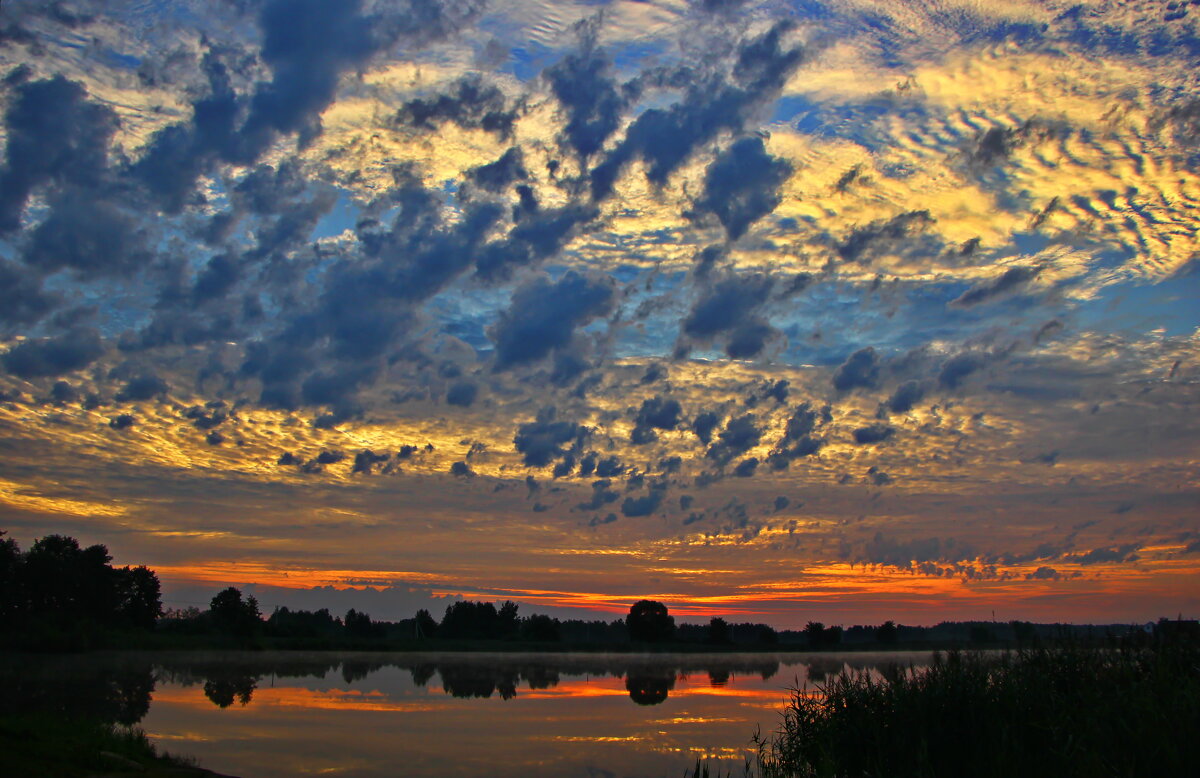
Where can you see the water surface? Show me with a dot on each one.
(365, 715)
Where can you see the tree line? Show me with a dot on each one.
(59, 591)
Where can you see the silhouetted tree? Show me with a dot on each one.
(767, 636)
(71, 590)
(470, 620)
(225, 688)
(718, 631)
(359, 625)
(233, 615)
(303, 624)
(887, 633)
(541, 628)
(426, 626)
(649, 621)
(506, 620)
(815, 632)
(649, 688)
(138, 596)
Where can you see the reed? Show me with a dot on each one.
(1063, 711)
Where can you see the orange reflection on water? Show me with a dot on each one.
(298, 697)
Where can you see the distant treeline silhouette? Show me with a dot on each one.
(58, 595)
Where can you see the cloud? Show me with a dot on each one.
(583, 84)
(55, 135)
(865, 243)
(462, 394)
(739, 436)
(666, 137)
(730, 308)
(1121, 553)
(742, 185)
(544, 314)
(1010, 279)
(873, 433)
(645, 505)
(656, 413)
(472, 104)
(144, 387)
(543, 440)
(860, 370)
(906, 396)
(53, 356)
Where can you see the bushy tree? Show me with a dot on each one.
(233, 615)
(648, 621)
(57, 583)
(719, 633)
(426, 625)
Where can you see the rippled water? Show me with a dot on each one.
(258, 715)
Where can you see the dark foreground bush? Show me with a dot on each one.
(1044, 712)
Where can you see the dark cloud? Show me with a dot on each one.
(64, 353)
(798, 440)
(739, 436)
(602, 495)
(326, 457)
(542, 441)
(903, 554)
(535, 237)
(906, 396)
(1010, 279)
(471, 104)
(654, 373)
(92, 236)
(1121, 553)
(645, 505)
(597, 521)
(62, 393)
(461, 469)
(609, 467)
(782, 503)
(746, 467)
(22, 300)
(544, 315)
(462, 393)
(956, 369)
(1043, 574)
(704, 424)
(504, 172)
(583, 84)
(873, 433)
(861, 370)
(665, 137)
(730, 308)
(124, 421)
(657, 413)
(880, 236)
(308, 44)
(366, 460)
(741, 186)
(55, 136)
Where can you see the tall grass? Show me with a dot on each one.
(1064, 711)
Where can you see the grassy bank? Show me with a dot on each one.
(1067, 711)
(54, 746)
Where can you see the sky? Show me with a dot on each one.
(832, 310)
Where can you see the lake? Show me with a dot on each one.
(363, 715)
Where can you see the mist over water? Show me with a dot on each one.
(265, 714)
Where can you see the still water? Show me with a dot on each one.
(362, 715)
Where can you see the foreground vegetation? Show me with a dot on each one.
(1065, 711)
(57, 746)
